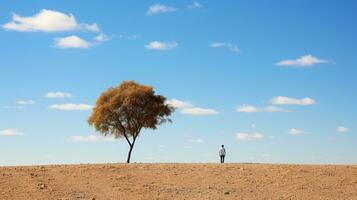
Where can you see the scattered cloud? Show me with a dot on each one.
(13, 107)
(342, 129)
(101, 38)
(157, 45)
(47, 21)
(187, 147)
(273, 109)
(57, 95)
(249, 136)
(281, 100)
(295, 132)
(71, 107)
(198, 111)
(75, 42)
(231, 47)
(90, 138)
(10, 132)
(54, 21)
(179, 104)
(195, 5)
(25, 102)
(195, 141)
(247, 109)
(189, 109)
(129, 37)
(72, 41)
(91, 27)
(159, 8)
(252, 109)
(303, 61)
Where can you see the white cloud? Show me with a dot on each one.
(47, 21)
(70, 107)
(72, 41)
(342, 129)
(101, 38)
(179, 104)
(159, 8)
(295, 132)
(195, 141)
(129, 37)
(198, 111)
(195, 5)
(187, 147)
(247, 109)
(273, 109)
(10, 132)
(249, 136)
(189, 109)
(303, 61)
(25, 102)
(58, 95)
(90, 138)
(157, 45)
(231, 47)
(252, 109)
(217, 44)
(91, 27)
(281, 100)
(13, 107)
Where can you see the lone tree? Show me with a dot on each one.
(125, 110)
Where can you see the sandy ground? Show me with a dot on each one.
(179, 181)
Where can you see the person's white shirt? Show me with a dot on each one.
(222, 152)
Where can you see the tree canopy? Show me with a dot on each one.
(125, 110)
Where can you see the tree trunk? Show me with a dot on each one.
(129, 153)
(131, 145)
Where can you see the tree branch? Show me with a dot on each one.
(136, 135)
(124, 133)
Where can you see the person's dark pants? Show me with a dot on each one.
(222, 159)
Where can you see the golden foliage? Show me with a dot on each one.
(124, 110)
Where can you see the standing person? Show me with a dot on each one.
(222, 153)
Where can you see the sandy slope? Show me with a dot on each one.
(179, 181)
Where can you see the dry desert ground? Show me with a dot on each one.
(179, 181)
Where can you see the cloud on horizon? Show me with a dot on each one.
(90, 138)
(197, 141)
(10, 132)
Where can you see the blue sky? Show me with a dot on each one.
(274, 81)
